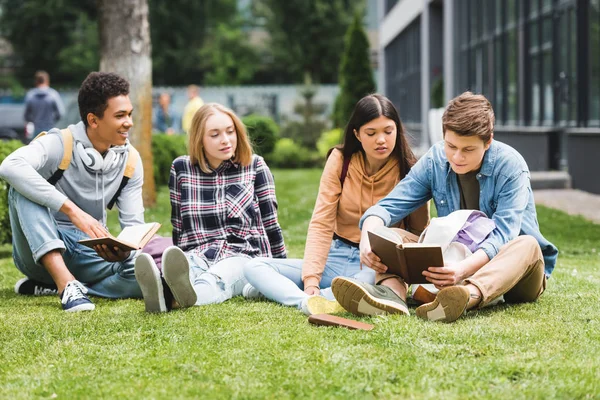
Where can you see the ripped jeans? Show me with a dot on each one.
(219, 282)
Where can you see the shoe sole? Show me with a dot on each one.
(148, 277)
(357, 300)
(449, 304)
(176, 271)
(82, 307)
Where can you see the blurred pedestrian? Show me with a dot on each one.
(164, 118)
(43, 105)
(193, 105)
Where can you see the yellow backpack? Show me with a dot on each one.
(67, 136)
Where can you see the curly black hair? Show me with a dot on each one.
(95, 91)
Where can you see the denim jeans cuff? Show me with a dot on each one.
(55, 244)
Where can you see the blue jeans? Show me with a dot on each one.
(36, 233)
(280, 279)
(219, 282)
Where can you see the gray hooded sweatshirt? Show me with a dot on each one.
(28, 168)
(43, 107)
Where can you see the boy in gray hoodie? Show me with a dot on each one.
(48, 220)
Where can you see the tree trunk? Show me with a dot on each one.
(125, 48)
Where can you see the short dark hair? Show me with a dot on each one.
(367, 109)
(96, 90)
(469, 115)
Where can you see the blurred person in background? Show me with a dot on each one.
(193, 105)
(43, 106)
(164, 118)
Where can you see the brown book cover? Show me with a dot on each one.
(408, 260)
(131, 238)
(334, 320)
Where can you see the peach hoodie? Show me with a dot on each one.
(339, 210)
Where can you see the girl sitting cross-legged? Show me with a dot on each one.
(375, 156)
(223, 211)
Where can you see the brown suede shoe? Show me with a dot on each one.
(449, 304)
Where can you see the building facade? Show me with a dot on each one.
(537, 61)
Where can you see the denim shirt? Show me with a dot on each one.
(505, 196)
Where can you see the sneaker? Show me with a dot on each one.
(28, 286)
(449, 304)
(320, 305)
(176, 270)
(250, 292)
(73, 298)
(365, 299)
(151, 283)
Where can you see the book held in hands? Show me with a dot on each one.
(408, 260)
(131, 238)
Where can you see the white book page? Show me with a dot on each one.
(134, 234)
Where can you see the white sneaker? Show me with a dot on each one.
(176, 271)
(250, 292)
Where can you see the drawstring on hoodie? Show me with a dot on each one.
(104, 215)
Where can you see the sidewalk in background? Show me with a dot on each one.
(571, 201)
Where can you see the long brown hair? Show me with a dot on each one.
(367, 109)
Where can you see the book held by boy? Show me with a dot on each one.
(408, 260)
(131, 237)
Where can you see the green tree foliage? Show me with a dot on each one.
(227, 57)
(191, 40)
(179, 31)
(55, 35)
(356, 73)
(306, 37)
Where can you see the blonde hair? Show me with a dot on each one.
(243, 150)
(469, 115)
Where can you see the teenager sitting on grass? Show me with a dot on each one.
(50, 213)
(223, 211)
(468, 170)
(374, 157)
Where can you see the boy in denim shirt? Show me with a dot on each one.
(468, 170)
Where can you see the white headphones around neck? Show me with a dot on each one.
(93, 160)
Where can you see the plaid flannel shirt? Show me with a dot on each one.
(231, 211)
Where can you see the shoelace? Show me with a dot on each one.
(73, 291)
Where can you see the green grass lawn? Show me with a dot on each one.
(257, 349)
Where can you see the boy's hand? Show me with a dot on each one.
(83, 221)
(114, 254)
(448, 275)
(370, 259)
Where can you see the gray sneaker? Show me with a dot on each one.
(361, 298)
(250, 292)
(176, 271)
(151, 284)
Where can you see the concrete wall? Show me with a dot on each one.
(584, 159)
(540, 146)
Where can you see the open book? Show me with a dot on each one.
(131, 238)
(408, 260)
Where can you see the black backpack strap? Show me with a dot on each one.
(345, 166)
(132, 159)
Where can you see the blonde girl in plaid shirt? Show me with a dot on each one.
(223, 212)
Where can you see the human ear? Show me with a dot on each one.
(92, 120)
(356, 134)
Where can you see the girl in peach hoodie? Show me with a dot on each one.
(374, 157)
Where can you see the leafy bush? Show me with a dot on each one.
(5, 232)
(328, 140)
(289, 154)
(263, 132)
(165, 149)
